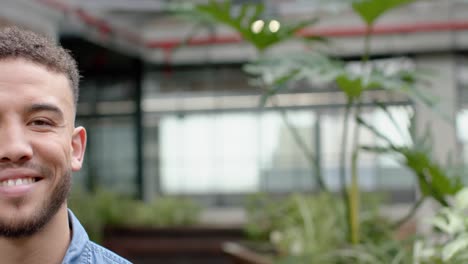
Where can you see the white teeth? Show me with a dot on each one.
(17, 182)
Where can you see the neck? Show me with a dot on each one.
(48, 245)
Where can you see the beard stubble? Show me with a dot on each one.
(18, 228)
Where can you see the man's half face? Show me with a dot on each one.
(39, 146)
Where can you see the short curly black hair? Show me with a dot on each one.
(21, 43)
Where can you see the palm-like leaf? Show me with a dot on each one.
(241, 18)
(316, 68)
(371, 10)
(433, 179)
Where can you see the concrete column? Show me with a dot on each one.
(443, 85)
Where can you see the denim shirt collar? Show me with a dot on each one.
(79, 239)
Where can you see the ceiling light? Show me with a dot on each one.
(274, 26)
(257, 26)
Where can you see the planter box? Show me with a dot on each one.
(191, 245)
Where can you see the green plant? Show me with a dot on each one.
(100, 209)
(297, 224)
(434, 180)
(166, 211)
(241, 19)
(277, 72)
(369, 11)
(103, 208)
(449, 241)
(273, 75)
(312, 229)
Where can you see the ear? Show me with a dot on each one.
(78, 148)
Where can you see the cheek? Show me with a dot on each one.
(53, 151)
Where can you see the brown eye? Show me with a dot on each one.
(41, 123)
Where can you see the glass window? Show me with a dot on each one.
(204, 134)
(284, 166)
(110, 160)
(253, 151)
(375, 171)
(233, 153)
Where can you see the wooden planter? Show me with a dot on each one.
(194, 245)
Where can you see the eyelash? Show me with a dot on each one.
(42, 122)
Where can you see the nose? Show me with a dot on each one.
(14, 145)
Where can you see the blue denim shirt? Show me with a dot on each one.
(83, 251)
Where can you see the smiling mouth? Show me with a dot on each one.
(18, 182)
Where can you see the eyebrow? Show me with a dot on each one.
(45, 107)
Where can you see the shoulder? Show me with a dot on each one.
(83, 251)
(102, 255)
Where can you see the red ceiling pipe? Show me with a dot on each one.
(94, 21)
(325, 32)
(195, 41)
(387, 29)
